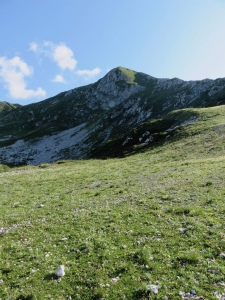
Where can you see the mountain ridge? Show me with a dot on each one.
(73, 123)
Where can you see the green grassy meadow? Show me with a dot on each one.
(119, 225)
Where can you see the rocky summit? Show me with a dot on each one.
(77, 123)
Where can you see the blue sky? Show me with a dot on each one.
(50, 46)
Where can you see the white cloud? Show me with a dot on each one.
(59, 78)
(64, 57)
(60, 53)
(12, 73)
(33, 47)
(89, 73)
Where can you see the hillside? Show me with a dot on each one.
(6, 107)
(76, 123)
(146, 226)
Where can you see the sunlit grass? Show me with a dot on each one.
(118, 225)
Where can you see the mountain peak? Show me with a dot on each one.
(129, 76)
(120, 74)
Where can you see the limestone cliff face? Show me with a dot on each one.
(112, 90)
(74, 122)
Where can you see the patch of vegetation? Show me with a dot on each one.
(129, 73)
(4, 168)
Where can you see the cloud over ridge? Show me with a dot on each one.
(60, 53)
(89, 73)
(64, 58)
(13, 72)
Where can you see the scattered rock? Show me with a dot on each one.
(220, 296)
(153, 288)
(221, 284)
(181, 293)
(1, 281)
(190, 295)
(40, 205)
(3, 231)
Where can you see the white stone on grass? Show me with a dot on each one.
(182, 230)
(114, 279)
(60, 271)
(153, 288)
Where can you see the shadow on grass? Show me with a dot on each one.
(141, 295)
(21, 297)
(51, 276)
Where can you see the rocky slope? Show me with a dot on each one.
(74, 123)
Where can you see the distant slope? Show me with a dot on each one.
(6, 107)
(176, 125)
(73, 123)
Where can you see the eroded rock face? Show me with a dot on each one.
(113, 88)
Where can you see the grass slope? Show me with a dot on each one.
(6, 107)
(119, 225)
